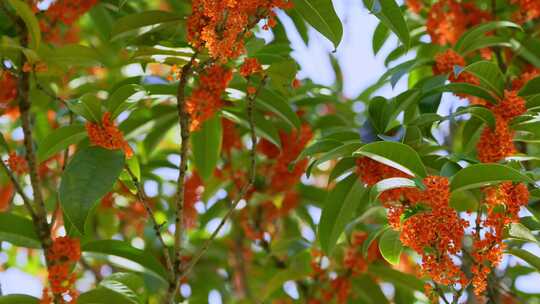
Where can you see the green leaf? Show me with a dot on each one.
(518, 231)
(18, 230)
(531, 88)
(60, 139)
(125, 250)
(88, 177)
(18, 299)
(390, 246)
(263, 127)
(344, 165)
(465, 88)
(282, 74)
(73, 54)
(338, 210)
(480, 112)
(471, 36)
(341, 151)
(27, 15)
(389, 184)
(134, 22)
(480, 175)
(321, 15)
(490, 76)
(380, 36)
(389, 12)
(371, 238)
(531, 222)
(396, 155)
(88, 106)
(124, 98)
(394, 276)
(528, 257)
(321, 146)
(206, 145)
(274, 102)
(487, 42)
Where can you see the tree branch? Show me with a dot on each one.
(184, 122)
(27, 202)
(157, 227)
(244, 189)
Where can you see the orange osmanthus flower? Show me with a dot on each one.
(496, 144)
(221, 26)
(205, 100)
(107, 135)
(449, 19)
(8, 89)
(192, 194)
(17, 163)
(250, 66)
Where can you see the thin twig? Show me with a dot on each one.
(157, 227)
(27, 202)
(244, 189)
(441, 293)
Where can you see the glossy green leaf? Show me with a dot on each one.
(525, 255)
(344, 150)
(125, 250)
(276, 103)
(59, 140)
(466, 88)
(490, 76)
(88, 106)
(480, 112)
(394, 276)
(18, 299)
(321, 15)
(531, 222)
(73, 55)
(124, 98)
(471, 36)
(389, 12)
(480, 175)
(389, 184)
(88, 177)
(18, 230)
(380, 36)
(338, 210)
(137, 21)
(518, 231)
(390, 246)
(27, 15)
(531, 88)
(281, 74)
(206, 145)
(263, 127)
(396, 155)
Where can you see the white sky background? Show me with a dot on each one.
(360, 69)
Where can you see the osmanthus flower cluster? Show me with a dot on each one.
(334, 282)
(426, 222)
(500, 207)
(206, 100)
(221, 26)
(63, 255)
(447, 20)
(57, 22)
(280, 180)
(496, 144)
(107, 135)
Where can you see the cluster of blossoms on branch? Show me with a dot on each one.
(428, 224)
(107, 135)
(57, 22)
(354, 264)
(63, 254)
